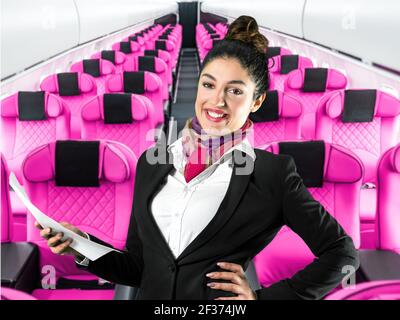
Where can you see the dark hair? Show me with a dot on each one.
(246, 44)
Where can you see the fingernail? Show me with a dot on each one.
(211, 284)
(48, 230)
(209, 274)
(220, 264)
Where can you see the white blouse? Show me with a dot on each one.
(182, 210)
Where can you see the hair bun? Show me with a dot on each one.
(245, 29)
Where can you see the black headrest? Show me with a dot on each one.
(163, 37)
(92, 67)
(147, 63)
(214, 36)
(161, 44)
(359, 105)
(133, 38)
(108, 55)
(273, 51)
(309, 158)
(68, 84)
(125, 47)
(315, 79)
(151, 53)
(117, 108)
(269, 110)
(31, 106)
(289, 63)
(77, 163)
(134, 82)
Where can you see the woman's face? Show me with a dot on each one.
(225, 96)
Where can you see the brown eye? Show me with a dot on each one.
(236, 91)
(207, 85)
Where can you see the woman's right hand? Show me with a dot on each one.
(54, 240)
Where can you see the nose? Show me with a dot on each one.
(218, 98)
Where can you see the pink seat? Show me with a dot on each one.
(6, 218)
(86, 183)
(278, 119)
(277, 51)
(74, 89)
(281, 66)
(151, 64)
(310, 85)
(125, 118)
(139, 82)
(117, 58)
(374, 290)
(388, 208)
(168, 46)
(341, 173)
(166, 57)
(28, 120)
(12, 294)
(99, 69)
(368, 136)
(129, 48)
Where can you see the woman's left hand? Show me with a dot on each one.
(238, 282)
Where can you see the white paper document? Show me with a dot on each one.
(90, 249)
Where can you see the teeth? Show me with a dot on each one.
(215, 115)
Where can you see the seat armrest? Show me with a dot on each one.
(19, 266)
(379, 265)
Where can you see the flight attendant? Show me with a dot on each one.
(200, 216)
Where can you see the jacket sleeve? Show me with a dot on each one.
(122, 268)
(324, 236)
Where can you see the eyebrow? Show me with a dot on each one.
(230, 82)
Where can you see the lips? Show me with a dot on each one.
(215, 115)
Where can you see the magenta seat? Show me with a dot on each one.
(339, 193)
(74, 89)
(129, 48)
(99, 69)
(168, 46)
(150, 64)
(6, 218)
(373, 130)
(25, 131)
(277, 51)
(374, 290)
(166, 57)
(281, 66)
(12, 294)
(278, 119)
(388, 204)
(310, 85)
(96, 200)
(131, 123)
(139, 82)
(117, 58)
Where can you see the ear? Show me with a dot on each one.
(258, 102)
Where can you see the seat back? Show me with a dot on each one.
(278, 119)
(310, 85)
(74, 89)
(151, 64)
(364, 121)
(122, 117)
(12, 294)
(86, 183)
(117, 58)
(388, 201)
(139, 82)
(281, 66)
(338, 174)
(5, 203)
(165, 56)
(99, 69)
(28, 120)
(129, 47)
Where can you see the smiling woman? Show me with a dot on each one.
(199, 219)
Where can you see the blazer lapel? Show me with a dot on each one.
(149, 225)
(237, 187)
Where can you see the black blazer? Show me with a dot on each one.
(253, 210)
